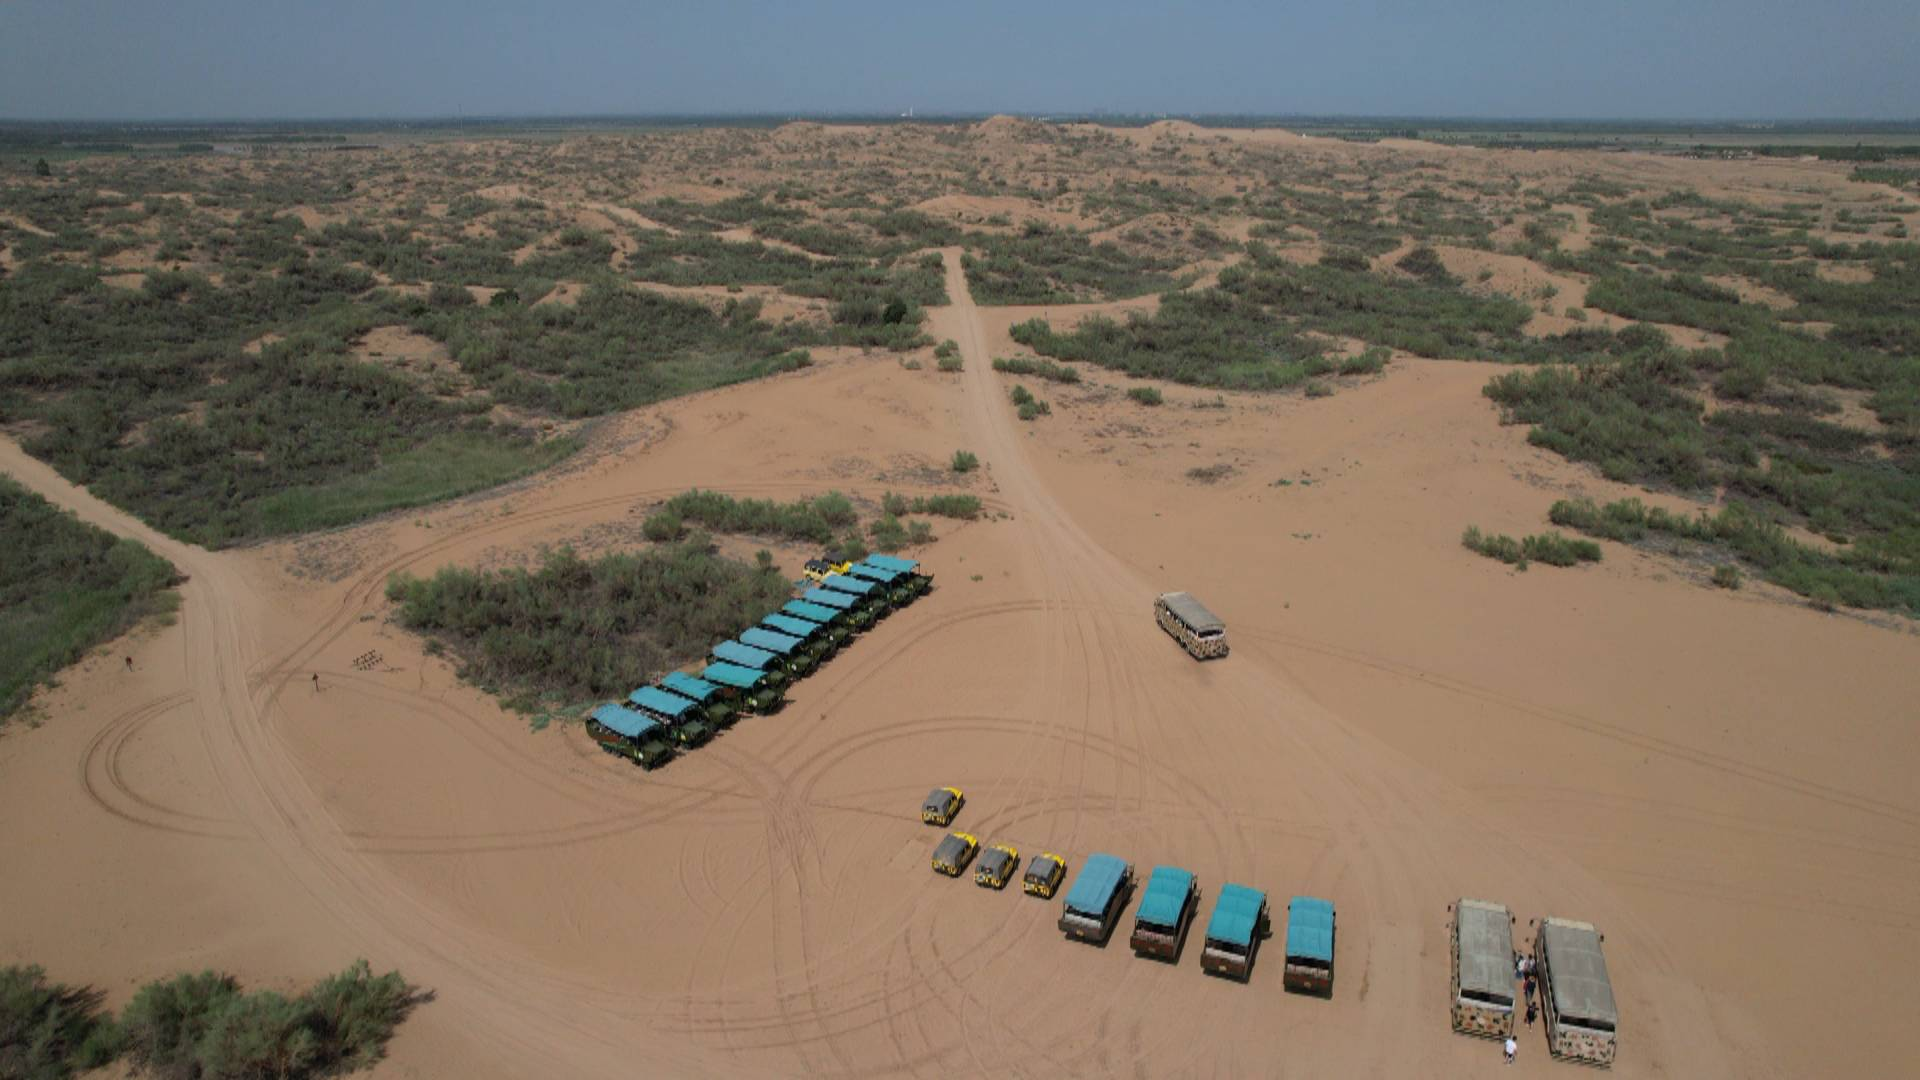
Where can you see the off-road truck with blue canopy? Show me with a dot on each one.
(683, 717)
(629, 734)
(1167, 907)
(1094, 902)
(1239, 922)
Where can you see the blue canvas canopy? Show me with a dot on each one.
(1235, 915)
(875, 573)
(733, 675)
(769, 640)
(1310, 929)
(745, 655)
(1165, 896)
(829, 598)
(625, 721)
(845, 584)
(687, 686)
(655, 700)
(1099, 876)
(811, 612)
(889, 562)
(788, 625)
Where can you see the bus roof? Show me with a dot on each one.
(1165, 896)
(875, 573)
(745, 655)
(1099, 876)
(626, 721)
(655, 700)
(1192, 612)
(1578, 972)
(1310, 929)
(740, 678)
(846, 584)
(829, 598)
(790, 626)
(890, 562)
(687, 686)
(771, 640)
(1486, 948)
(1235, 914)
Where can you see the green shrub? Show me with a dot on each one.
(1145, 395)
(1726, 576)
(964, 461)
(965, 507)
(950, 363)
(889, 534)
(1424, 263)
(1033, 409)
(576, 629)
(1045, 369)
(663, 526)
(204, 1025)
(1318, 389)
(1501, 547)
(813, 519)
(947, 348)
(1557, 550)
(1020, 395)
(65, 587)
(1370, 362)
(49, 1031)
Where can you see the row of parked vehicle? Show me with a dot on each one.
(1576, 995)
(750, 672)
(1168, 906)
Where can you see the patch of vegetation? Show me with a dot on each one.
(1210, 474)
(890, 534)
(50, 1031)
(1550, 548)
(202, 1026)
(964, 461)
(1146, 395)
(65, 587)
(1045, 369)
(813, 519)
(1026, 405)
(1861, 575)
(1048, 266)
(576, 629)
(965, 507)
(1251, 333)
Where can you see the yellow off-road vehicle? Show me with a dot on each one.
(954, 853)
(941, 805)
(1044, 874)
(997, 864)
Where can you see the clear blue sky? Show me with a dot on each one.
(169, 59)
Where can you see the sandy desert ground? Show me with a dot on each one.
(1720, 781)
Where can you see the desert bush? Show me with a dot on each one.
(204, 1025)
(888, 532)
(1318, 389)
(965, 507)
(1370, 362)
(1424, 263)
(1045, 266)
(1210, 474)
(945, 349)
(49, 1031)
(65, 587)
(1557, 550)
(1497, 546)
(574, 629)
(1045, 369)
(1020, 395)
(950, 363)
(814, 519)
(1726, 576)
(1145, 395)
(964, 461)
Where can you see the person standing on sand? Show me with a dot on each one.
(1512, 1048)
(129, 663)
(316, 682)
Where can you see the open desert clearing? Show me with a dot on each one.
(1719, 781)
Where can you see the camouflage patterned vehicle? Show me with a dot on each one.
(1576, 995)
(1188, 621)
(630, 734)
(1482, 979)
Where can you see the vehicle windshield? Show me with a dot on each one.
(1590, 1025)
(1226, 947)
(1205, 634)
(1481, 997)
(1307, 961)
